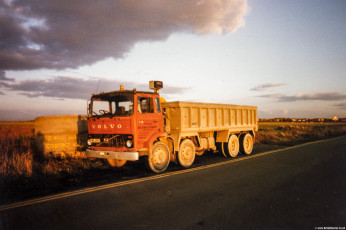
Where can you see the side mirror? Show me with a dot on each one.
(89, 108)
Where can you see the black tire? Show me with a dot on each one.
(116, 163)
(224, 150)
(232, 146)
(221, 148)
(187, 153)
(159, 157)
(246, 143)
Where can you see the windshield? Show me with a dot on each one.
(119, 105)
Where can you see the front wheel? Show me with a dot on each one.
(158, 159)
(186, 154)
(116, 163)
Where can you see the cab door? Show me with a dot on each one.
(149, 118)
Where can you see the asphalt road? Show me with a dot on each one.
(297, 188)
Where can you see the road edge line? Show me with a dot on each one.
(150, 178)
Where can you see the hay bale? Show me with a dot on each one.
(62, 135)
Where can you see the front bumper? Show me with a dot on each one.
(130, 156)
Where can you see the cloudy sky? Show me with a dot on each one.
(286, 57)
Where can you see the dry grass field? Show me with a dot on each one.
(19, 158)
(17, 149)
(289, 133)
(23, 170)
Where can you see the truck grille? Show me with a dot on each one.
(110, 140)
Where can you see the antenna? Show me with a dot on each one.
(97, 86)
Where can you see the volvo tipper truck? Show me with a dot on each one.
(126, 125)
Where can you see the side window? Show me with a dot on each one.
(158, 105)
(113, 105)
(145, 105)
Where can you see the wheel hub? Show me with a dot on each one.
(187, 152)
(160, 156)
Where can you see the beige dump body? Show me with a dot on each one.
(187, 117)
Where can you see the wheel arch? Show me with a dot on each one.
(177, 139)
(154, 138)
(252, 132)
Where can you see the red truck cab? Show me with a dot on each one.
(123, 124)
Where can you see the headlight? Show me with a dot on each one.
(129, 143)
(91, 141)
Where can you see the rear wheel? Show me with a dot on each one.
(246, 143)
(116, 163)
(221, 148)
(158, 159)
(186, 154)
(233, 146)
(224, 149)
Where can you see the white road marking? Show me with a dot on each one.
(155, 177)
